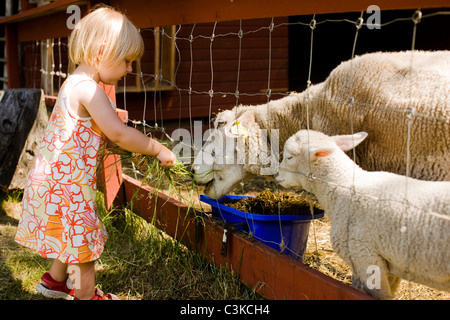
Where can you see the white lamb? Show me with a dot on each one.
(379, 220)
(381, 93)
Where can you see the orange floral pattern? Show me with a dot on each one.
(59, 215)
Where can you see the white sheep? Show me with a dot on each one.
(381, 93)
(383, 225)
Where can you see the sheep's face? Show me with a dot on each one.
(215, 165)
(236, 150)
(305, 152)
(294, 167)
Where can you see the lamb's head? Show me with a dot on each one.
(307, 150)
(231, 154)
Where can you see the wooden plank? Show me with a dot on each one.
(203, 78)
(172, 110)
(274, 275)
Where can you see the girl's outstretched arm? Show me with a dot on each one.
(92, 98)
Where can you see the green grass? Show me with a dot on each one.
(139, 262)
(19, 268)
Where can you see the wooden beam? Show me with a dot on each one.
(273, 275)
(153, 13)
(109, 174)
(33, 23)
(30, 13)
(45, 27)
(26, 5)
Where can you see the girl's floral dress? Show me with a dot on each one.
(59, 215)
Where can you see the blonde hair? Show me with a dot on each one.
(107, 32)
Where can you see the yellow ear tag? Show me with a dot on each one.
(238, 129)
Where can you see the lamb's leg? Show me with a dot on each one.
(394, 282)
(371, 276)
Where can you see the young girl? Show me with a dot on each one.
(59, 216)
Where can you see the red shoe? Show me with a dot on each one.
(99, 295)
(55, 289)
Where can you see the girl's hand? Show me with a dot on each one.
(167, 158)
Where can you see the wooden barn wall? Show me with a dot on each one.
(290, 50)
(174, 104)
(253, 75)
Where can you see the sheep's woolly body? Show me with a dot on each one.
(400, 224)
(383, 86)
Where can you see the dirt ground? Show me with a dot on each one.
(319, 253)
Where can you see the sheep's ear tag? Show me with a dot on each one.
(238, 129)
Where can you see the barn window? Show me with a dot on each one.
(155, 71)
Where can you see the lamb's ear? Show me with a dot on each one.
(241, 126)
(349, 141)
(316, 153)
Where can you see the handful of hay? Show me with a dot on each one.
(150, 170)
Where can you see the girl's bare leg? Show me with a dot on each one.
(58, 271)
(85, 290)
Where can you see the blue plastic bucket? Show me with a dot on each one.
(287, 233)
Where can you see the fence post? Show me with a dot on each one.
(109, 174)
